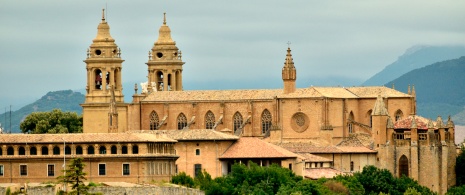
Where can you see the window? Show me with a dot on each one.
(10, 151)
(1, 151)
(237, 121)
(102, 169)
(197, 152)
(113, 149)
(90, 150)
(135, 149)
(23, 170)
(398, 115)
(209, 120)
(79, 150)
(51, 170)
(197, 169)
(1, 170)
(290, 166)
(44, 150)
(124, 150)
(266, 121)
(370, 118)
(350, 124)
(33, 151)
(351, 166)
(126, 169)
(68, 150)
(154, 120)
(403, 166)
(56, 150)
(102, 150)
(21, 151)
(182, 121)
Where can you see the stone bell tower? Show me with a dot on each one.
(104, 90)
(165, 63)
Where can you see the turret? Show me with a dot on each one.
(379, 122)
(289, 73)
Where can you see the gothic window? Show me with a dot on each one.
(154, 120)
(237, 121)
(370, 122)
(350, 124)
(209, 120)
(266, 121)
(399, 115)
(403, 166)
(182, 121)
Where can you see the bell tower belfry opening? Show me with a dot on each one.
(165, 63)
(104, 90)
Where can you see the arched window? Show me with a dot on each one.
(102, 150)
(21, 151)
(403, 166)
(10, 151)
(124, 150)
(56, 150)
(68, 150)
(399, 115)
(266, 121)
(90, 150)
(237, 121)
(135, 149)
(350, 124)
(113, 149)
(79, 150)
(209, 120)
(370, 121)
(33, 150)
(154, 120)
(182, 121)
(1, 152)
(44, 150)
(98, 79)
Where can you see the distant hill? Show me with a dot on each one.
(66, 100)
(439, 88)
(413, 58)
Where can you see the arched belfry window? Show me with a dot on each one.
(350, 124)
(209, 120)
(370, 121)
(403, 166)
(182, 121)
(237, 121)
(399, 115)
(98, 79)
(154, 120)
(266, 121)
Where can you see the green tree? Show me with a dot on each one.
(459, 168)
(75, 176)
(411, 191)
(183, 179)
(54, 121)
(456, 190)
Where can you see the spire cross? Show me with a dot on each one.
(164, 18)
(289, 44)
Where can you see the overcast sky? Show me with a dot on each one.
(43, 43)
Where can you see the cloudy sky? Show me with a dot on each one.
(225, 44)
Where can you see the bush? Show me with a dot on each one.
(183, 179)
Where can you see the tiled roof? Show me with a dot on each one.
(192, 134)
(302, 148)
(321, 172)
(314, 158)
(269, 94)
(406, 123)
(250, 147)
(83, 138)
(373, 92)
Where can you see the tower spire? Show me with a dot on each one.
(164, 18)
(103, 15)
(289, 72)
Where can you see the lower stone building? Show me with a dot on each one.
(125, 157)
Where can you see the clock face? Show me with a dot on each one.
(98, 52)
(159, 54)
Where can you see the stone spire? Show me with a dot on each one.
(439, 122)
(103, 31)
(380, 108)
(450, 123)
(289, 74)
(408, 90)
(164, 36)
(413, 93)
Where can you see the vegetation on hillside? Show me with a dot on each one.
(255, 179)
(65, 100)
(54, 121)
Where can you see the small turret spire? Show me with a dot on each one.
(408, 90)
(164, 18)
(414, 93)
(103, 15)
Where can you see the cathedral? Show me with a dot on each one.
(316, 131)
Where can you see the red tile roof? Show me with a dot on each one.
(83, 138)
(250, 147)
(406, 123)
